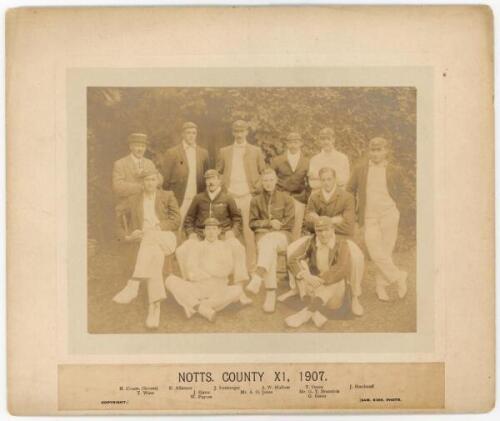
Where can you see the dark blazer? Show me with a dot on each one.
(339, 258)
(223, 207)
(264, 207)
(176, 170)
(254, 163)
(130, 216)
(357, 186)
(294, 182)
(341, 203)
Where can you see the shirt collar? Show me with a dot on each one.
(379, 165)
(136, 160)
(240, 145)
(327, 196)
(187, 146)
(213, 195)
(331, 243)
(293, 155)
(153, 197)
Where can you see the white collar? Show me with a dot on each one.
(331, 243)
(240, 145)
(188, 146)
(153, 197)
(214, 194)
(327, 196)
(136, 160)
(379, 165)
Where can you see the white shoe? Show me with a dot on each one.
(127, 294)
(382, 293)
(207, 312)
(270, 301)
(318, 319)
(356, 307)
(153, 319)
(188, 312)
(254, 284)
(298, 319)
(244, 299)
(285, 296)
(402, 286)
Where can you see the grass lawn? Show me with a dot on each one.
(104, 316)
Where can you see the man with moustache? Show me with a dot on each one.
(240, 165)
(214, 203)
(183, 168)
(291, 168)
(148, 221)
(128, 171)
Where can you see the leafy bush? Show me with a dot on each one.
(356, 114)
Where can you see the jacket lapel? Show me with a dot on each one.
(246, 163)
(139, 210)
(183, 156)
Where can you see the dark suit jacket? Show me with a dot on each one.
(340, 204)
(279, 205)
(132, 211)
(357, 186)
(223, 207)
(339, 260)
(254, 163)
(176, 170)
(294, 182)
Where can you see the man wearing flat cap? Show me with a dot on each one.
(376, 184)
(320, 267)
(214, 203)
(148, 221)
(328, 157)
(205, 288)
(291, 168)
(183, 168)
(127, 172)
(240, 165)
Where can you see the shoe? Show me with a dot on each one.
(285, 296)
(356, 307)
(318, 319)
(127, 294)
(189, 312)
(254, 284)
(382, 293)
(270, 301)
(402, 286)
(244, 299)
(153, 319)
(207, 312)
(298, 319)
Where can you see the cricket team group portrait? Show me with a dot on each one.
(251, 210)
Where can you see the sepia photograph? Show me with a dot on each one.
(251, 209)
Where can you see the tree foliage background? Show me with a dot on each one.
(356, 114)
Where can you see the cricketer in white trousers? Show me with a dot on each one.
(337, 290)
(243, 203)
(238, 252)
(300, 209)
(208, 268)
(268, 247)
(155, 246)
(381, 232)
